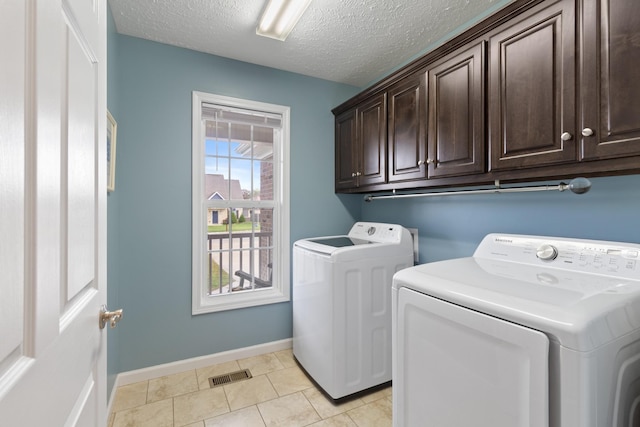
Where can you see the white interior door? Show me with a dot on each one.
(52, 212)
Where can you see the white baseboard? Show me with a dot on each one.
(145, 374)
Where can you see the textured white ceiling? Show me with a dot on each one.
(347, 41)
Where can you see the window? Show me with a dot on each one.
(240, 203)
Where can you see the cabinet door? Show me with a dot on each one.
(372, 137)
(610, 120)
(407, 152)
(345, 150)
(532, 89)
(456, 114)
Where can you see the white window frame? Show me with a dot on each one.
(280, 291)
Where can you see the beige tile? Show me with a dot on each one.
(380, 394)
(289, 380)
(172, 385)
(130, 395)
(112, 416)
(255, 402)
(286, 358)
(199, 405)
(249, 392)
(157, 414)
(325, 407)
(293, 410)
(341, 420)
(204, 374)
(259, 365)
(247, 417)
(375, 414)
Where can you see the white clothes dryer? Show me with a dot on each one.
(530, 331)
(342, 305)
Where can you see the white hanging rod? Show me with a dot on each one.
(576, 185)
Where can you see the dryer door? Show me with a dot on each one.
(457, 367)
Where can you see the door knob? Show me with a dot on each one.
(111, 317)
(587, 132)
(566, 136)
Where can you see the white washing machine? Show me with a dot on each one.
(530, 331)
(342, 305)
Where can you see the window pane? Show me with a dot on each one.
(216, 130)
(217, 277)
(216, 187)
(241, 179)
(264, 170)
(217, 147)
(242, 276)
(241, 136)
(217, 165)
(265, 218)
(239, 250)
(265, 268)
(263, 149)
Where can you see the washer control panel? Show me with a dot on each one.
(587, 256)
(376, 232)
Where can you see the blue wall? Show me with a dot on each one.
(150, 211)
(149, 222)
(452, 226)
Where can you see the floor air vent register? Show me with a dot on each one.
(232, 377)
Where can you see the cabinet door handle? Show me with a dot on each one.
(425, 162)
(587, 132)
(353, 174)
(566, 136)
(358, 173)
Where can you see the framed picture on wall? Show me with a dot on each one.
(112, 133)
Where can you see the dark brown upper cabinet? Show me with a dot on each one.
(372, 135)
(456, 125)
(407, 151)
(609, 124)
(531, 103)
(346, 164)
(361, 144)
(542, 89)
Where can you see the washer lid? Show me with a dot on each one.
(581, 310)
(365, 240)
(330, 244)
(339, 250)
(338, 241)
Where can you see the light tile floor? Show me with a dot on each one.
(279, 394)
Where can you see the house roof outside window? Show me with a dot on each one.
(217, 187)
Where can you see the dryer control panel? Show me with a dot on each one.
(587, 256)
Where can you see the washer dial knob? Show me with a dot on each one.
(547, 252)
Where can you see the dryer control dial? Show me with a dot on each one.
(547, 252)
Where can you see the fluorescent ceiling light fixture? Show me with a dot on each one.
(279, 18)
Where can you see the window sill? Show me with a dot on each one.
(212, 304)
